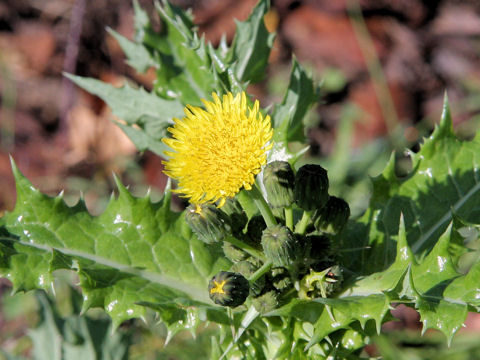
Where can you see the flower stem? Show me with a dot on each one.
(257, 274)
(262, 205)
(303, 223)
(289, 217)
(247, 203)
(245, 247)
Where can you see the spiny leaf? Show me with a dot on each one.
(340, 314)
(251, 45)
(444, 180)
(431, 278)
(466, 288)
(147, 116)
(185, 69)
(432, 284)
(130, 104)
(135, 251)
(138, 56)
(349, 309)
(288, 116)
(388, 280)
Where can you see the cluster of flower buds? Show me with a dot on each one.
(297, 255)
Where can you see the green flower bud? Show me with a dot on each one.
(209, 223)
(247, 269)
(228, 289)
(255, 228)
(281, 279)
(311, 187)
(266, 302)
(279, 181)
(238, 217)
(280, 245)
(233, 253)
(333, 216)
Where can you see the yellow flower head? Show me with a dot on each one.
(219, 150)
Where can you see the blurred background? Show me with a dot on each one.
(385, 66)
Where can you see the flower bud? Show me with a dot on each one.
(233, 253)
(266, 302)
(333, 216)
(280, 245)
(209, 223)
(228, 289)
(238, 217)
(311, 187)
(279, 181)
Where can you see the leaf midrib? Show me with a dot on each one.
(191, 291)
(417, 245)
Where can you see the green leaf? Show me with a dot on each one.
(131, 104)
(75, 337)
(340, 314)
(185, 70)
(441, 294)
(444, 180)
(440, 306)
(251, 45)
(288, 117)
(136, 251)
(138, 56)
(436, 200)
(146, 115)
(386, 281)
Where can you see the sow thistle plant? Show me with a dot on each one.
(265, 250)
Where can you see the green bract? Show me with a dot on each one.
(311, 187)
(279, 181)
(333, 216)
(280, 246)
(247, 269)
(266, 302)
(208, 222)
(233, 253)
(238, 217)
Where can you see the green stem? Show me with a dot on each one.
(247, 203)
(289, 217)
(262, 205)
(246, 247)
(303, 223)
(257, 274)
